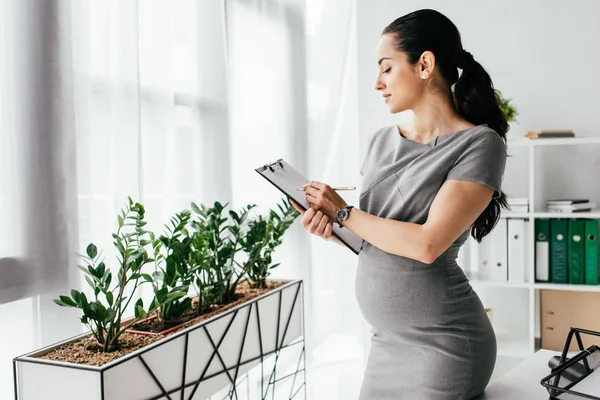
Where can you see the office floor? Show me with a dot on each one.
(341, 381)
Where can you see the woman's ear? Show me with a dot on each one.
(426, 64)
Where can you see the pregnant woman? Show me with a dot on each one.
(426, 186)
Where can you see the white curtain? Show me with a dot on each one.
(171, 104)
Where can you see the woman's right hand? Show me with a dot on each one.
(315, 222)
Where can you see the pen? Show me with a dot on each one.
(335, 188)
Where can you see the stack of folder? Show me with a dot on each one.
(566, 251)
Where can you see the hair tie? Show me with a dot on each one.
(464, 59)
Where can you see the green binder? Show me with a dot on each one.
(576, 251)
(542, 250)
(591, 252)
(558, 250)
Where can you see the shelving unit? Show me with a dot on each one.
(539, 170)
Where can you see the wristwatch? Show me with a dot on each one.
(343, 214)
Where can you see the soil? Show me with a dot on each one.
(87, 351)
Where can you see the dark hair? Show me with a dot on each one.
(473, 97)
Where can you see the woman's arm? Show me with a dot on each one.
(454, 209)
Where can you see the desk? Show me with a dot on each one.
(523, 381)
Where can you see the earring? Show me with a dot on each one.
(424, 76)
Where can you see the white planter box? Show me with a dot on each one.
(193, 364)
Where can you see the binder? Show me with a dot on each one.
(516, 250)
(484, 255)
(591, 252)
(499, 247)
(542, 250)
(558, 251)
(576, 251)
(287, 179)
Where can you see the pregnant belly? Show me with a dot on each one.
(396, 293)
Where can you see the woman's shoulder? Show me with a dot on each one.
(482, 133)
(383, 131)
(380, 134)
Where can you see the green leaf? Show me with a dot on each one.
(84, 269)
(139, 312)
(195, 208)
(175, 295)
(161, 295)
(110, 314)
(90, 282)
(75, 295)
(92, 251)
(65, 301)
(109, 298)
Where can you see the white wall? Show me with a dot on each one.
(541, 53)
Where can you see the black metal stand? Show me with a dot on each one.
(570, 372)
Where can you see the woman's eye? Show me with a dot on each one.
(387, 70)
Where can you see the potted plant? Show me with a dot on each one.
(208, 352)
(509, 110)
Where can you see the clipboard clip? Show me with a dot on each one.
(274, 165)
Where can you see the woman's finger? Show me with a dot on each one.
(314, 224)
(328, 234)
(311, 193)
(297, 207)
(307, 218)
(322, 226)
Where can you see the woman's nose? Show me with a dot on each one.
(378, 84)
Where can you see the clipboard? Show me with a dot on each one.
(287, 179)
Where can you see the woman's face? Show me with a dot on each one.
(399, 81)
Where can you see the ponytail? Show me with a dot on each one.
(476, 101)
(474, 95)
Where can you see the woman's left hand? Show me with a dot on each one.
(322, 197)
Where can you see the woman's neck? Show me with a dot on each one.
(434, 117)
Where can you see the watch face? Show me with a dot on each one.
(342, 214)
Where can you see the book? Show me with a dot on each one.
(566, 201)
(561, 210)
(542, 250)
(591, 252)
(576, 251)
(558, 251)
(575, 207)
(549, 131)
(549, 135)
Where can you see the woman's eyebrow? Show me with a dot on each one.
(381, 60)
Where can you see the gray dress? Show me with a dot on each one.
(431, 338)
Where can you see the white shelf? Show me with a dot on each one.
(550, 286)
(512, 214)
(581, 140)
(594, 214)
(517, 306)
(501, 284)
(575, 288)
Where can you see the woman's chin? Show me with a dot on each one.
(396, 110)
